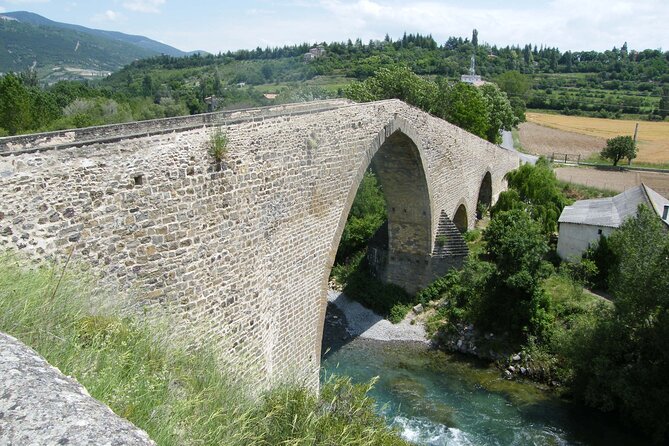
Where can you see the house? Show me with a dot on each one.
(582, 223)
(314, 53)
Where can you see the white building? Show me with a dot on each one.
(582, 223)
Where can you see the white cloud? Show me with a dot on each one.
(148, 6)
(568, 24)
(2, 9)
(108, 16)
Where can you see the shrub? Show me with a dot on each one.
(218, 145)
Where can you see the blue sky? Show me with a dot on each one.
(228, 25)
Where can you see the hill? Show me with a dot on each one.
(60, 51)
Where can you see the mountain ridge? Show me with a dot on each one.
(64, 51)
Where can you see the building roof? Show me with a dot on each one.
(613, 211)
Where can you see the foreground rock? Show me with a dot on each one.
(41, 406)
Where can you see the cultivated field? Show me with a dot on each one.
(614, 180)
(576, 134)
(541, 140)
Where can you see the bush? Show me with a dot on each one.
(359, 284)
(218, 145)
(584, 272)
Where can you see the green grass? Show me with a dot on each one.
(179, 395)
(575, 191)
(596, 158)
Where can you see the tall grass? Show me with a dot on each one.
(178, 395)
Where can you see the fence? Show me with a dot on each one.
(566, 158)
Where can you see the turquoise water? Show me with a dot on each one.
(439, 399)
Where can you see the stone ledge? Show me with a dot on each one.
(62, 139)
(41, 406)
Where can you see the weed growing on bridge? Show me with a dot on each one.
(179, 396)
(218, 145)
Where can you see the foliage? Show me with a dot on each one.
(218, 145)
(663, 106)
(14, 105)
(575, 192)
(514, 300)
(394, 82)
(618, 148)
(502, 116)
(465, 106)
(584, 272)
(483, 112)
(604, 259)
(359, 284)
(367, 214)
(517, 87)
(622, 362)
(178, 394)
(536, 189)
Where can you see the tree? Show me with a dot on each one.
(535, 189)
(517, 87)
(514, 300)
(465, 106)
(14, 105)
(395, 82)
(501, 115)
(475, 38)
(368, 213)
(622, 363)
(618, 148)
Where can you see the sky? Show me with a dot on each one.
(221, 25)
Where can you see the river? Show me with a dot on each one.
(434, 398)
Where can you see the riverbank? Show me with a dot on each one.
(364, 323)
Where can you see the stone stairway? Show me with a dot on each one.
(449, 241)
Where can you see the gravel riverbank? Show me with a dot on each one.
(364, 323)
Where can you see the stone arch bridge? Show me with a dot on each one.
(242, 250)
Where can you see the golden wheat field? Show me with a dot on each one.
(653, 137)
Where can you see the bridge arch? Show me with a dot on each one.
(460, 218)
(484, 199)
(398, 159)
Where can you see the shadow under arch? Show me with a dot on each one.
(484, 200)
(460, 219)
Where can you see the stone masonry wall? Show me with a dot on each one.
(242, 254)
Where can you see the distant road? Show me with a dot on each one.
(507, 143)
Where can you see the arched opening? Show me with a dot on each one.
(398, 252)
(484, 201)
(460, 219)
(399, 169)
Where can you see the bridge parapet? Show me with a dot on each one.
(63, 139)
